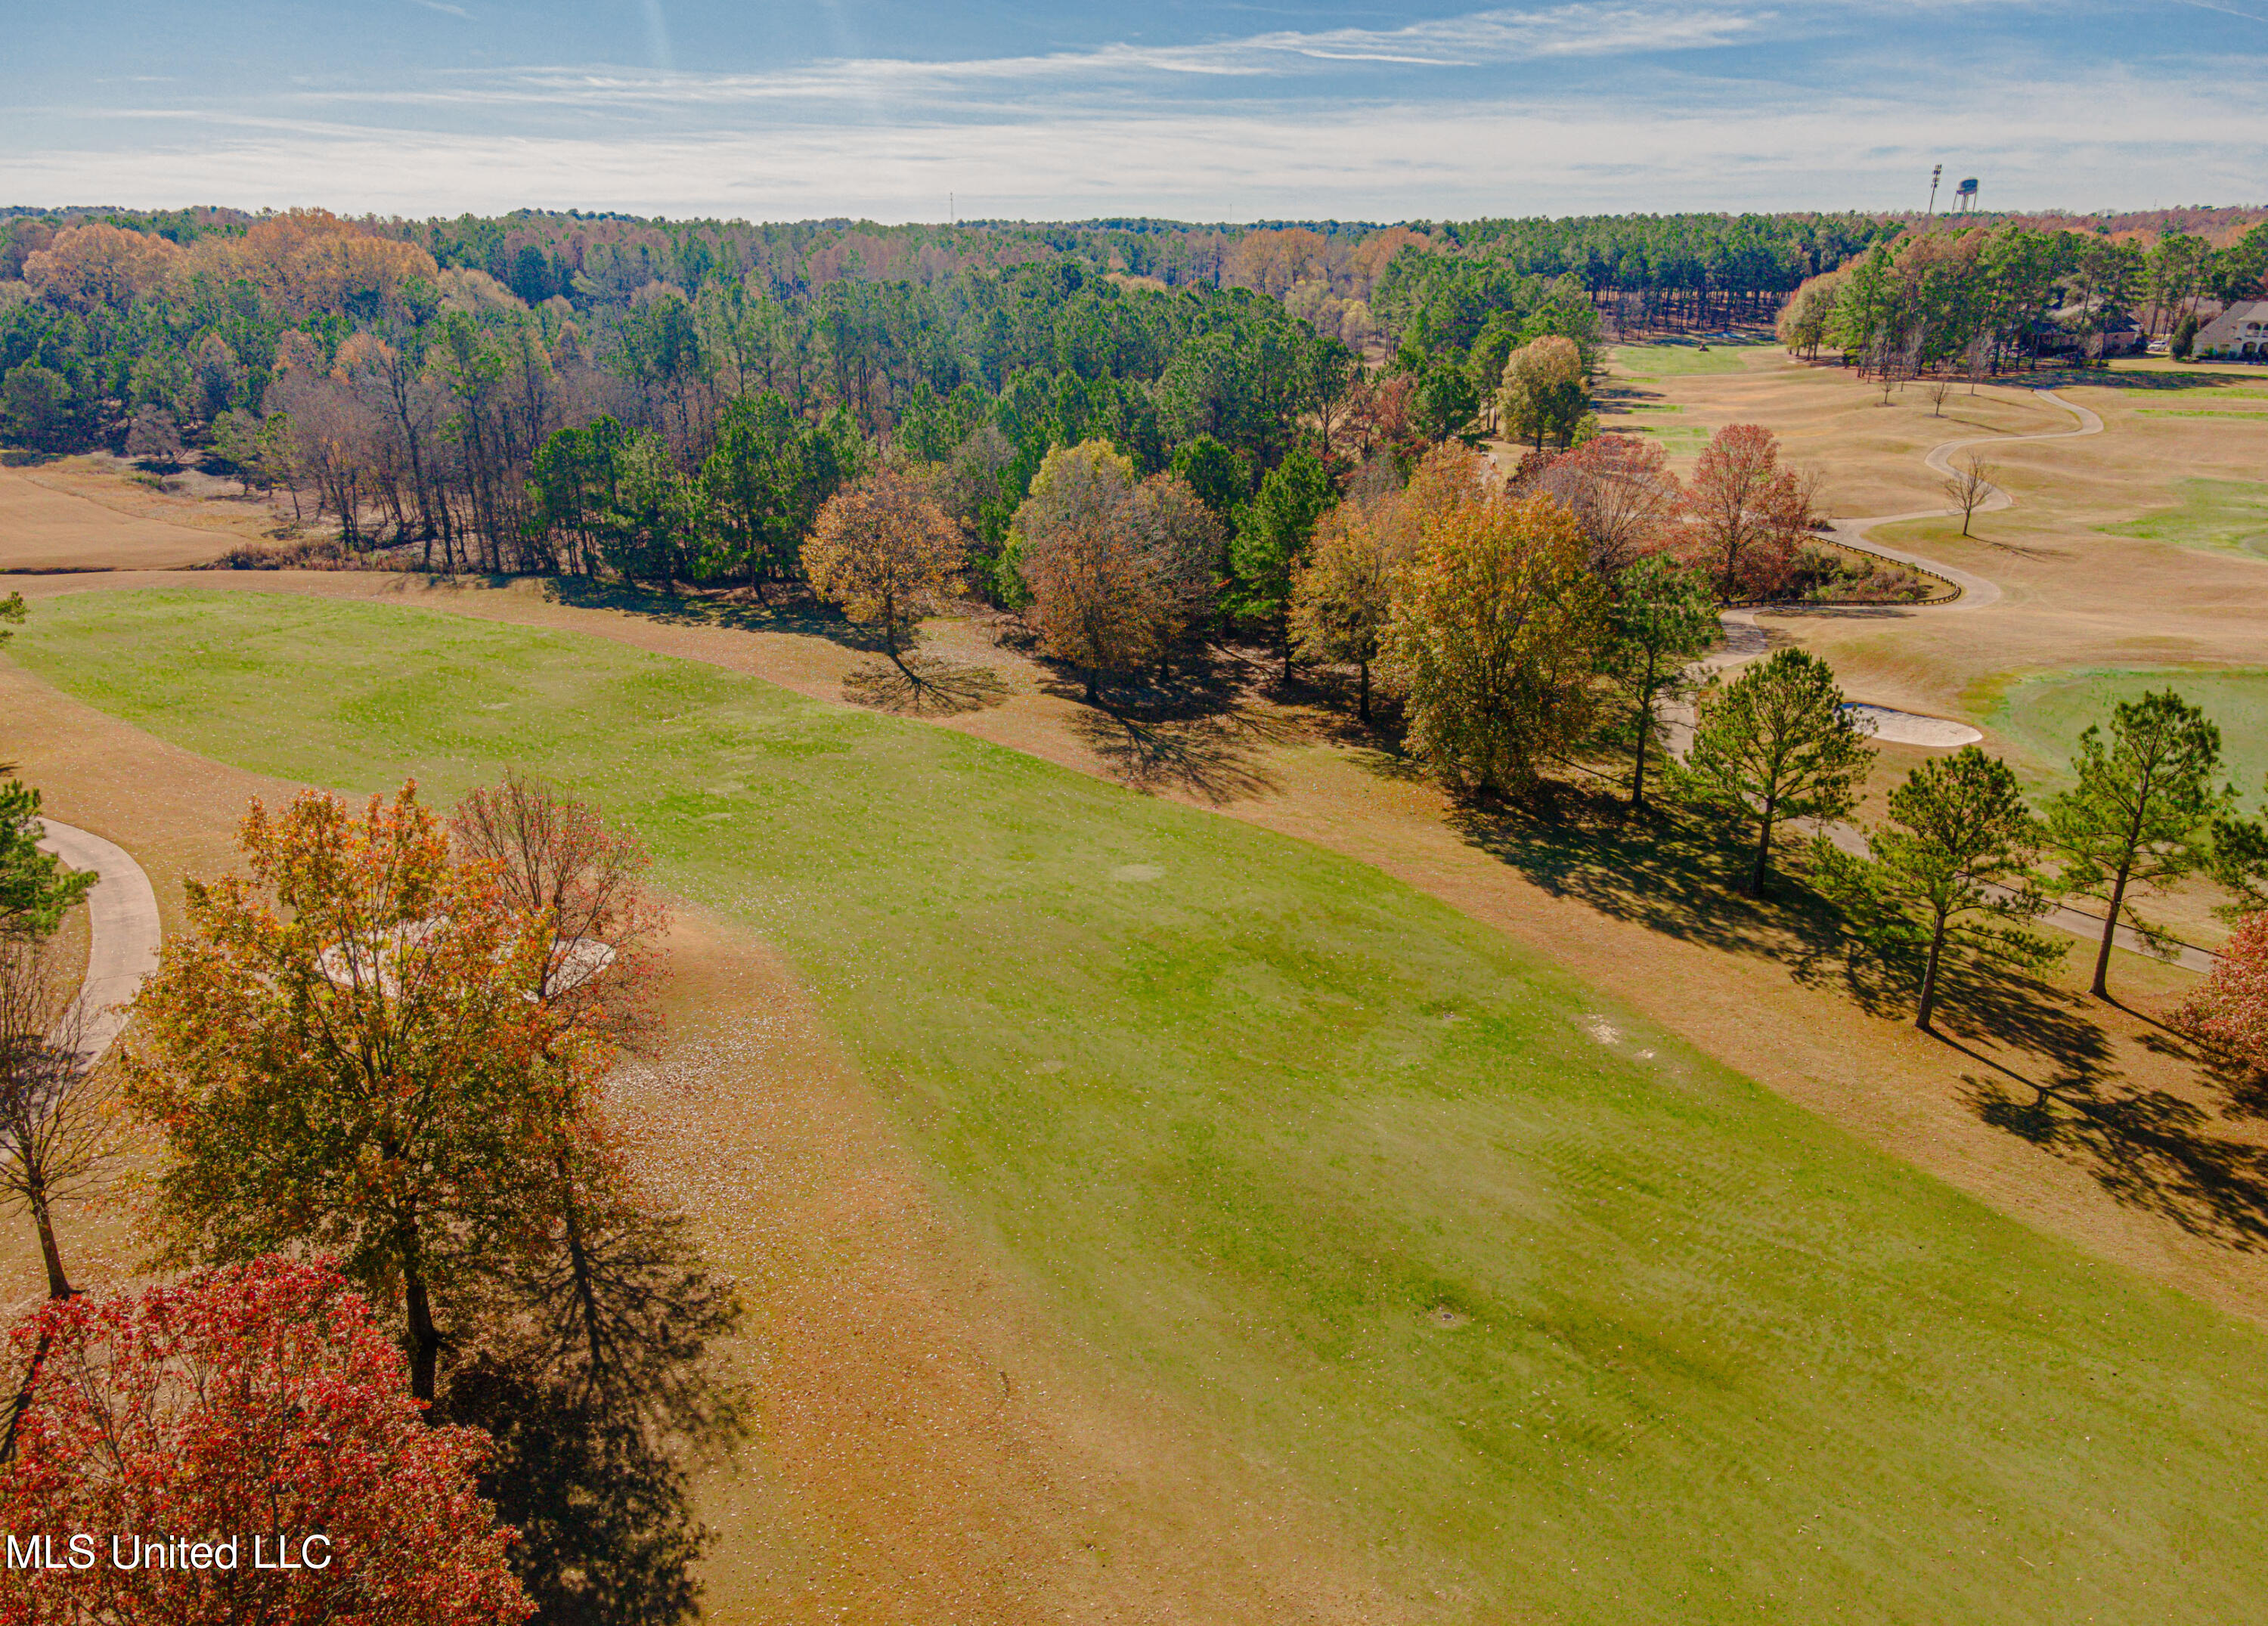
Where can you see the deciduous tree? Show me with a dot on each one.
(884, 551)
(1494, 639)
(1623, 495)
(1743, 513)
(2141, 816)
(1969, 487)
(1546, 392)
(256, 1404)
(1775, 745)
(97, 265)
(57, 1126)
(344, 1050)
(2230, 1013)
(1091, 593)
(1343, 595)
(1182, 542)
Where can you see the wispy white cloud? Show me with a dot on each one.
(445, 7)
(1587, 28)
(1583, 105)
(2145, 141)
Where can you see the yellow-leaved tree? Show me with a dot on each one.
(1494, 640)
(885, 552)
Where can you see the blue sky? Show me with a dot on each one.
(884, 107)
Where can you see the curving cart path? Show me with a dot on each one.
(1976, 591)
(1744, 641)
(124, 931)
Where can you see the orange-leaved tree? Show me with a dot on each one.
(1744, 514)
(346, 1051)
(1623, 495)
(884, 551)
(255, 1404)
(1115, 570)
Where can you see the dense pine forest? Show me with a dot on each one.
(673, 400)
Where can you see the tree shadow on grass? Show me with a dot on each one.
(2061, 377)
(1669, 870)
(795, 612)
(1194, 730)
(925, 685)
(2045, 1028)
(600, 1391)
(2150, 1148)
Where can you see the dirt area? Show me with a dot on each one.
(76, 514)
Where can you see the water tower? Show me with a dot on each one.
(1964, 196)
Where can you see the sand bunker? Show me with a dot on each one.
(1909, 728)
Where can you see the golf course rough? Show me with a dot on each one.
(1565, 1321)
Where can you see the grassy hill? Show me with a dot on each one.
(1570, 1323)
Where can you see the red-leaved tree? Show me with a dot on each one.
(1623, 495)
(2230, 1013)
(242, 1415)
(1744, 514)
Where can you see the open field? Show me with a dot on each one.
(2229, 514)
(1500, 1268)
(65, 516)
(1650, 361)
(1005, 1480)
(2122, 549)
(1276, 1366)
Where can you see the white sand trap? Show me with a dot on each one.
(1909, 728)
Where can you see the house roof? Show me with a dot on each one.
(2231, 323)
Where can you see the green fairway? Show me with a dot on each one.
(2251, 414)
(1567, 1322)
(2231, 514)
(1674, 361)
(2046, 714)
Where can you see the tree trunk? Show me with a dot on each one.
(1763, 851)
(1929, 977)
(578, 1259)
(1094, 694)
(1364, 705)
(2101, 985)
(1644, 734)
(58, 1285)
(424, 1337)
